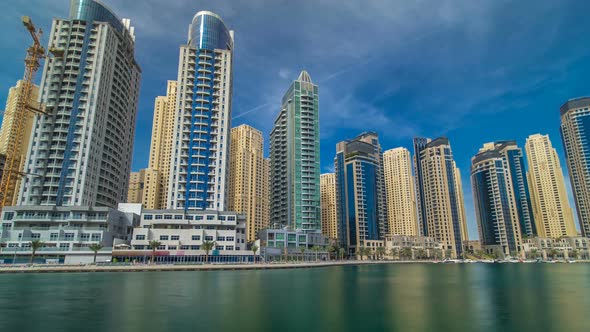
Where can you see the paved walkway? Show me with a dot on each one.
(171, 267)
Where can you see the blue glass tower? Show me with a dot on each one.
(495, 203)
(360, 191)
(200, 160)
(575, 134)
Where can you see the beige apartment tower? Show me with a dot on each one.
(136, 186)
(328, 204)
(248, 191)
(8, 132)
(400, 194)
(155, 178)
(551, 209)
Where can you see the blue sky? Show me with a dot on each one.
(475, 71)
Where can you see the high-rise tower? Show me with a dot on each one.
(328, 203)
(9, 132)
(248, 181)
(575, 133)
(552, 211)
(440, 194)
(360, 192)
(495, 201)
(401, 198)
(81, 151)
(295, 159)
(200, 151)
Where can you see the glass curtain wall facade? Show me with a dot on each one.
(440, 194)
(361, 206)
(495, 203)
(200, 153)
(295, 159)
(81, 150)
(575, 134)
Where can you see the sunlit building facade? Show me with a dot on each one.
(552, 212)
(328, 203)
(400, 193)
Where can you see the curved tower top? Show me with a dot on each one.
(91, 10)
(207, 31)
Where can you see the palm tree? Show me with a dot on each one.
(254, 248)
(406, 253)
(302, 250)
(341, 253)
(394, 253)
(331, 250)
(154, 245)
(35, 244)
(553, 253)
(574, 253)
(361, 252)
(96, 248)
(316, 249)
(380, 252)
(534, 253)
(207, 246)
(421, 254)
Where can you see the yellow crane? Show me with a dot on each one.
(35, 53)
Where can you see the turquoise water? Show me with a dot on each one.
(394, 297)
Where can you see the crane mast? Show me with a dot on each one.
(35, 53)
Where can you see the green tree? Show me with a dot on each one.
(154, 245)
(380, 252)
(438, 253)
(534, 253)
(207, 246)
(316, 249)
(361, 252)
(35, 245)
(254, 249)
(553, 253)
(574, 253)
(331, 250)
(341, 253)
(406, 253)
(302, 250)
(394, 253)
(421, 254)
(95, 247)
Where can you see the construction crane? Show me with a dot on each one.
(35, 53)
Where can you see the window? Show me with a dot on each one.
(140, 237)
(64, 246)
(221, 217)
(208, 238)
(195, 247)
(96, 236)
(148, 217)
(162, 247)
(221, 238)
(69, 236)
(198, 217)
(158, 217)
(53, 236)
(175, 237)
(163, 237)
(178, 216)
(141, 247)
(172, 247)
(229, 247)
(229, 238)
(196, 238)
(218, 247)
(85, 236)
(36, 235)
(168, 217)
(231, 218)
(210, 217)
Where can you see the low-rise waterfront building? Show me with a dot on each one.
(574, 247)
(66, 233)
(181, 235)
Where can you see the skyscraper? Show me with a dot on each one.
(575, 133)
(552, 212)
(9, 135)
(157, 175)
(295, 158)
(328, 204)
(200, 151)
(495, 201)
(360, 192)
(81, 154)
(400, 193)
(440, 194)
(248, 179)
